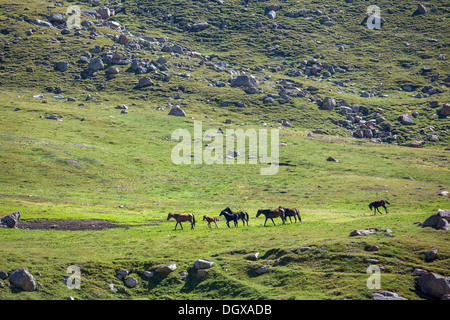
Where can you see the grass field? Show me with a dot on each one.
(99, 163)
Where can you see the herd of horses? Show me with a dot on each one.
(280, 212)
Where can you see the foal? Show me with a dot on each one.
(182, 217)
(209, 220)
(377, 204)
(230, 217)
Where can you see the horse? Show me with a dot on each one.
(291, 212)
(209, 220)
(377, 204)
(229, 217)
(270, 214)
(241, 215)
(182, 217)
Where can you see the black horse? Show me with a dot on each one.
(377, 204)
(241, 215)
(291, 212)
(230, 217)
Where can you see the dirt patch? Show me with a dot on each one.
(87, 224)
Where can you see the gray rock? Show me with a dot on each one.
(406, 119)
(435, 219)
(262, 270)
(177, 112)
(11, 220)
(387, 295)
(166, 269)
(244, 81)
(62, 66)
(434, 284)
(131, 282)
(203, 264)
(23, 279)
(328, 104)
(122, 273)
(96, 64)
(271, 14)
(42, 23)
(431, 254)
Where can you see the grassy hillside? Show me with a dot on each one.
(99, 163)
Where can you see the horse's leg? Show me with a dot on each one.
(176, 225)
(265, 221)
(228, 223)
(216, 224)
(272, 221)
(385, 209)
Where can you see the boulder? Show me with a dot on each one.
(199, 26)
(203, 264)
(42, 23)
(416, 144)
(262, 270)
(131, 282)
(445, 111)
(332, 159)
(23, 279)
(406, 119)
(437, 220)
(177, 112)
(166, 269)
(434, 284)
(420, 9)
(11, 220)
(431, 254)
(365, 232)
(62, 66)
(122, 273)
(271, 14)
(328, 104)
(387, 295)
(96, 64)
(56, 18)
(244, 81)
(104, 12)
(145, 82)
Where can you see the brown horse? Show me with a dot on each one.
(182, 217)
(270, 214)
(291, 212)
(377, 204)
(209, 220)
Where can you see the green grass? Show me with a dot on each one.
(118, 167)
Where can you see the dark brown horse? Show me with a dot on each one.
(182, 217)
(291, 212)
(241, 215)
(377, 204)
(270, 214)
(209, 220)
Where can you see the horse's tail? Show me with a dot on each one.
(246, 216)
(386, 201)
(193, 220)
